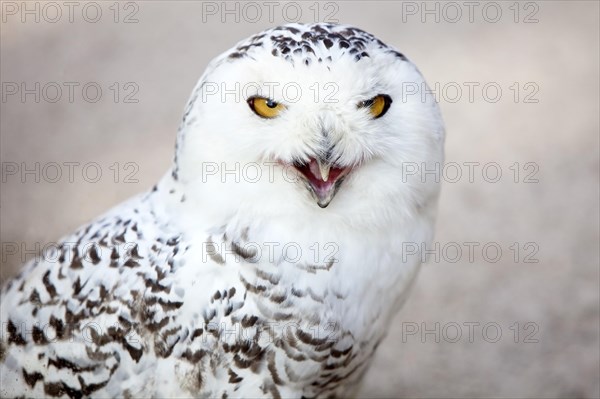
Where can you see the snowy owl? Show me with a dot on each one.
(268, 261)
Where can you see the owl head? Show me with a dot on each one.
(313, 120)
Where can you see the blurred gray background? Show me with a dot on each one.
(165, 52)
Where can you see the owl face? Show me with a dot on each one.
(321, 109)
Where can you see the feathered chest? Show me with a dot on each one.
(245, 312)
(301, 315)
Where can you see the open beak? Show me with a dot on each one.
(322, 179)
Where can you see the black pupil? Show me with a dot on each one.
(271, 104)
(368, 103)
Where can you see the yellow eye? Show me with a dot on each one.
(264, 107)
(378, 105)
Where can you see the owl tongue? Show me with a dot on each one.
(322, 178)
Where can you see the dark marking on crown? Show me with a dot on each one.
(302, 43)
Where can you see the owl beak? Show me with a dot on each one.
(322, 179)
(324, 169)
